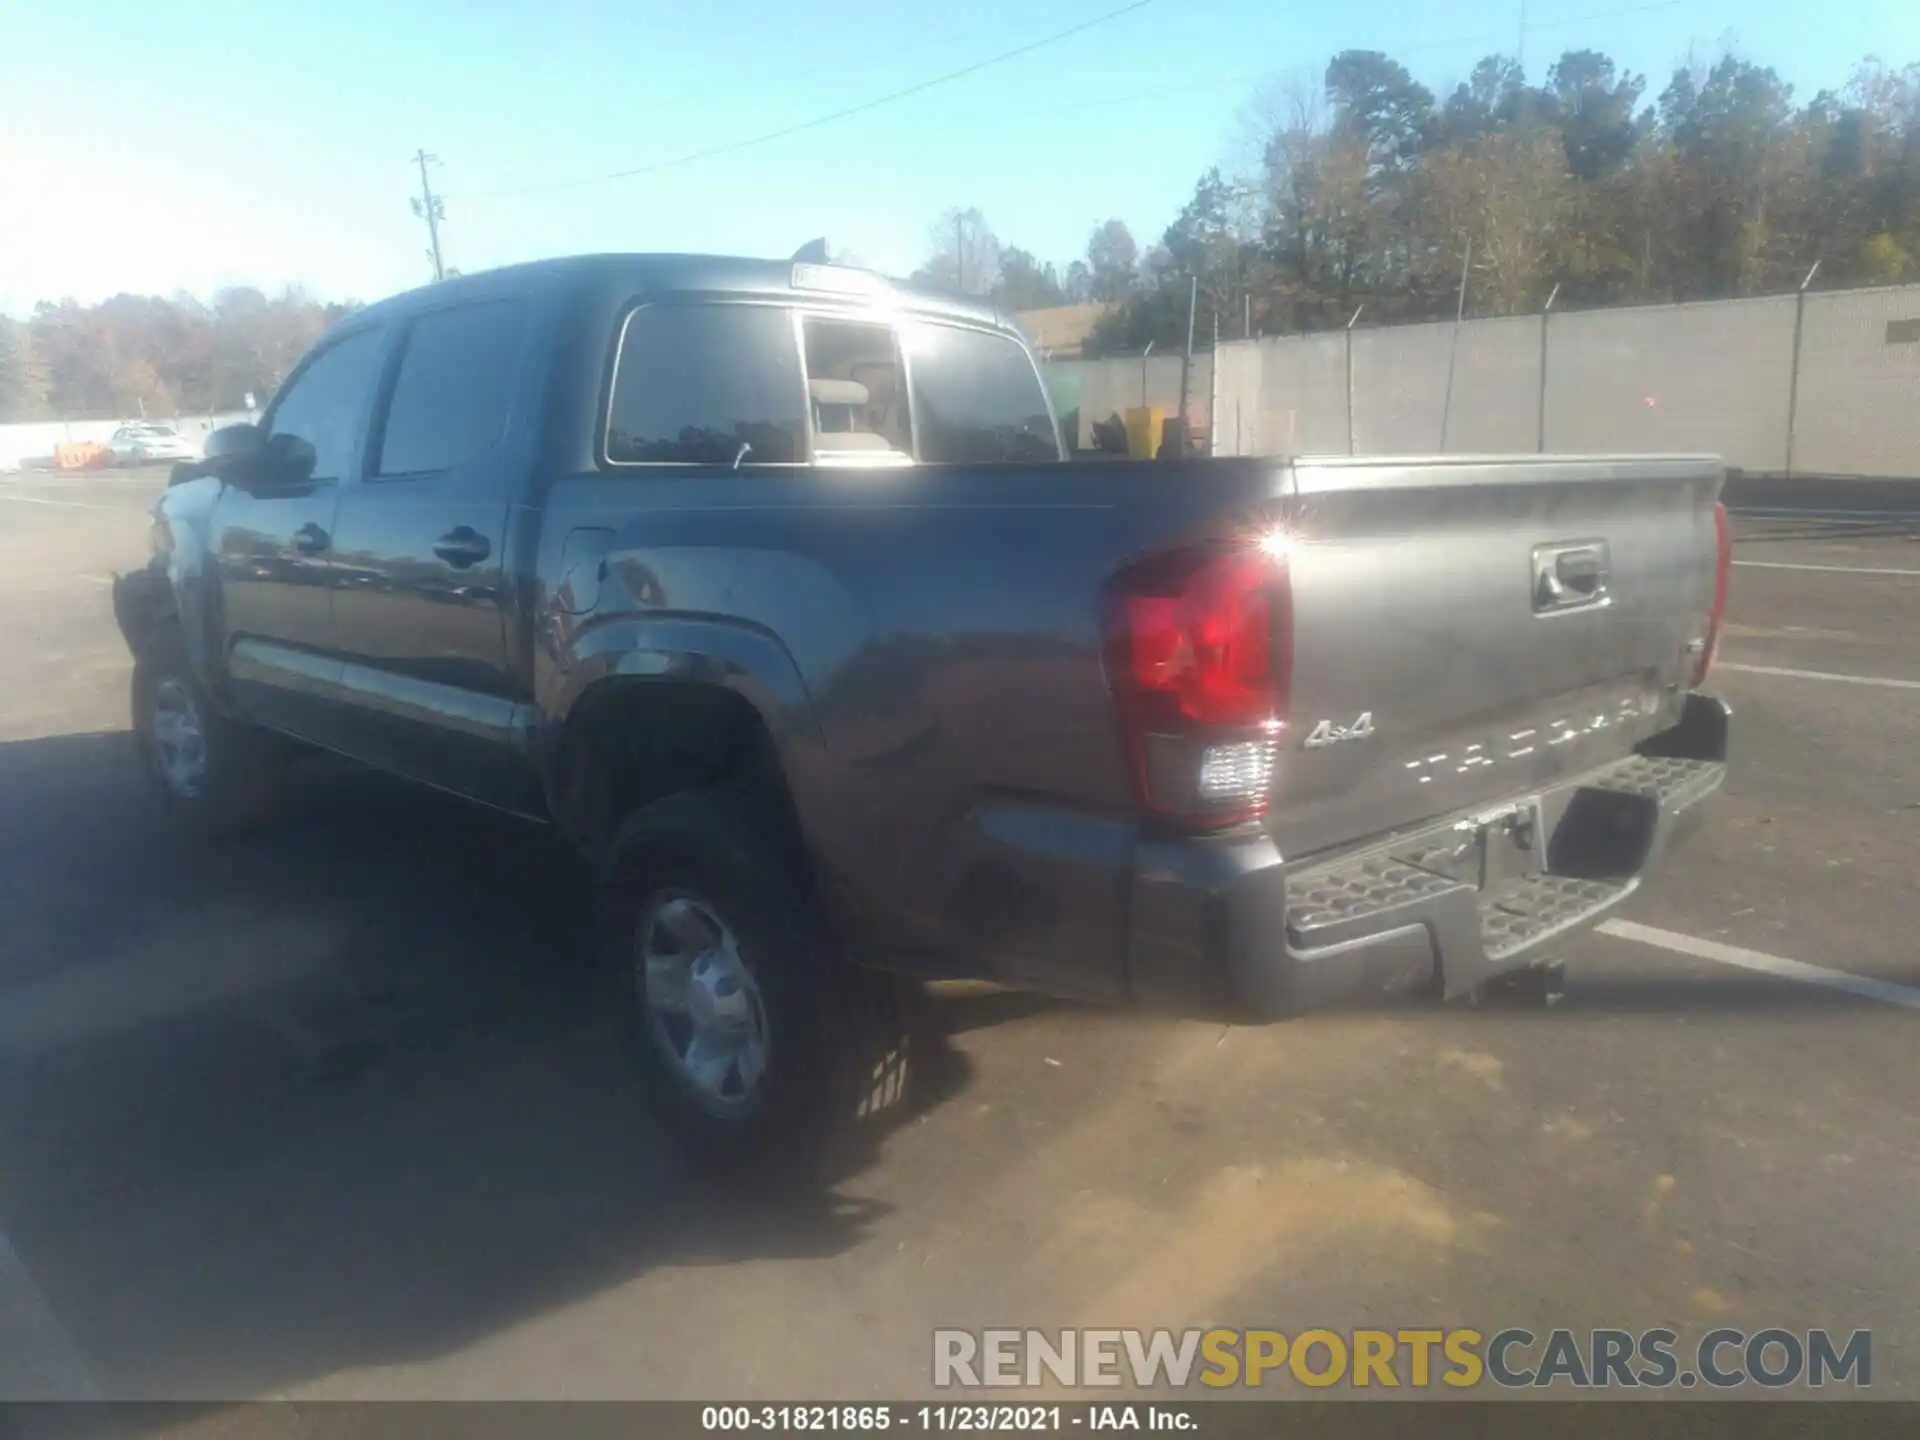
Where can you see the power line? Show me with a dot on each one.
(732, 147)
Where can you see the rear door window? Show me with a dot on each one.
(708, 385)
(454, 388)
(977, 398)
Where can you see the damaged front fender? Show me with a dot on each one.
(143, 603)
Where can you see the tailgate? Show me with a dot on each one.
(1467, 629)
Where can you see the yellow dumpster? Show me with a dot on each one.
(1145, 425)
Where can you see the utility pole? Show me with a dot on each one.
(1793, 375)
(960, 253)
(432, 209)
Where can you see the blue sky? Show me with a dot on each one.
(161, 145)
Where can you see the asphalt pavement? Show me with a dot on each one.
(338, 1111)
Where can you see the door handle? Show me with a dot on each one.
(310, 539)
(1580, 572)
(462, 547)
(1570, 576)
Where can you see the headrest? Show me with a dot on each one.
(844, 440)
(837, 392)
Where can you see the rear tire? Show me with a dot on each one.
(212, 775)
(763, 1053)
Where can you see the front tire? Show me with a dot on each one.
(761, 1050)
(212, 775)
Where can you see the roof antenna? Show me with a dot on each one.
(814, 252)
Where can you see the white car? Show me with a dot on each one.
(140, 444)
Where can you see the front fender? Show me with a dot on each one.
(143, 602)
(174, 588)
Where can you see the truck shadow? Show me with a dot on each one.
(342, 1093)
(345, 1095)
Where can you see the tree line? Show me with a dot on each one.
(1370, 193)
(142, 354)
(1364, 190)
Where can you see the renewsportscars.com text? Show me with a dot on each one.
(1414, 1358)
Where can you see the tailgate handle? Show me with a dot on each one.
(1569, 575)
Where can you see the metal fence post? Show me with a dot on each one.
(1186, 359)
(1453, 350)
(1545, 312)
(1793, 375)
(1213, 392)
(1351, 321)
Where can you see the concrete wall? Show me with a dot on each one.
(1707, 378)
(1282, 398)
(1859, 407)
(1714, 378)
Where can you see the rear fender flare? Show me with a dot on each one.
(743, 659)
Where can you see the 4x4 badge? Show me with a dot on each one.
(1328, 733)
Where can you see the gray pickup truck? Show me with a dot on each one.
(768, 585)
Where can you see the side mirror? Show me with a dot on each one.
(248, 458)
(232, 452)
(235, 442)
(290, 460)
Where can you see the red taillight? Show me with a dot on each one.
(1722, 573)
(1200, 659)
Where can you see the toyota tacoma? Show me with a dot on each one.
(769, 586)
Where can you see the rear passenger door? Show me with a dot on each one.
(419, 596)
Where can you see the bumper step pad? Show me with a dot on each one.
(1531, 910)
(1377, 891)
(1676, 784)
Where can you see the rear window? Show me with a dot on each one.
(856, 391)
(977, 398)
(708, 385)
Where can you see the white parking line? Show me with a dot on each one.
(63, 504)
(1886, 991)
(1891, 684)
(1829, 569)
